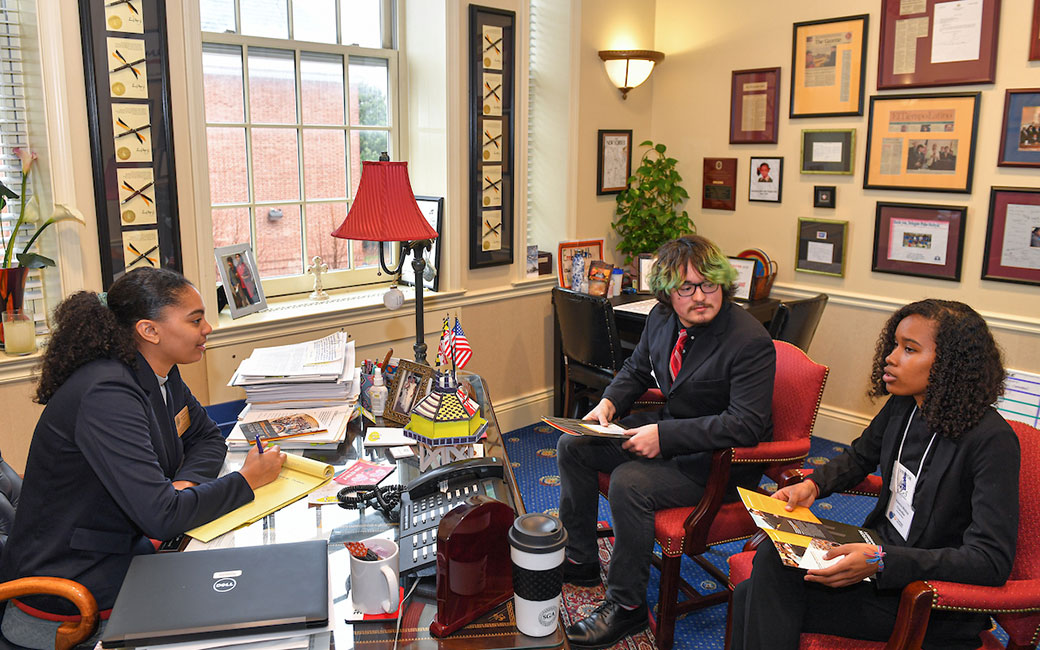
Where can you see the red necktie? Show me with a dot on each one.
(676, 361)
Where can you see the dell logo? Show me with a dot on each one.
(223, 585)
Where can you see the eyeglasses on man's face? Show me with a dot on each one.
(688, 289)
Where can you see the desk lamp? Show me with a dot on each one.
(384, 210)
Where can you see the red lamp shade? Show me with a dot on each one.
(385, 208)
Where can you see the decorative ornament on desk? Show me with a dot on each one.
(317, 268)
(446, 424)
(393, 298)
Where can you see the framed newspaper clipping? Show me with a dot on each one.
(754, 106)
(828, 59)
(613, 160)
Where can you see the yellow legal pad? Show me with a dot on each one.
(299, 476)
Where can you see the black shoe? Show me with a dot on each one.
(606, 625)
(581, 575)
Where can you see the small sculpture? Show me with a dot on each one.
(317, 267)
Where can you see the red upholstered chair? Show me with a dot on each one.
(1015, 605)
(797, 390)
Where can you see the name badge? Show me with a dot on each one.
(182, 421)
(900, 511)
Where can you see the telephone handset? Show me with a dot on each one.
(432, 495)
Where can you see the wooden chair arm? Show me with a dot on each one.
(868, 487)
(915, 606)
(69, 633)
(698, 523)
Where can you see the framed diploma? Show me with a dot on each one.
(821, 246)
(937, 43)
(1034, 36)
(922, 240)
(720, 184)
(754, 106)
(828, 151)
(766, 180)
(1020, 133)
(613, 161)
(492, 36)
(828, 59)
(1013, 236)
(922, 142)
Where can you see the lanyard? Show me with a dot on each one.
(926, 449)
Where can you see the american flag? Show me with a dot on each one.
(444, 349)
(463, 351)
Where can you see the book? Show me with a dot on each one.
(575, 427)
(364, 472)
(599, 277)
(286, 426)
(801, 538)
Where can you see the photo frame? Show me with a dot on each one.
(645, 263)
(432, 208)
(828, 60)
(903, 153)
(613, 160)
(745, 277)
(754, 106)
(412, 381)
(931, 43)
(1034, 36)
(828, 151)
(240, 278)
(921, 240)
(1013, 236)
(1020, 131)
(821, 246)
(825, 196)
(565, 253)
(766, 179)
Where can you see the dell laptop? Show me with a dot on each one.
(175, 597)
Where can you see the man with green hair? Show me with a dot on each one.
(714, 363)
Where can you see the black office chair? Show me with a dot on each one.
(591, 348)
(795, 321)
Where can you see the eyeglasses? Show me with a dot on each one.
(688, 290)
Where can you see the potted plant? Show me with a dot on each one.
(648, 210)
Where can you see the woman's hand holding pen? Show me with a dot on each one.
(261, 468)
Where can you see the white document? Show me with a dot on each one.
(330, 348)
(641, 307)
(387, 437)
(957, 31)
(820, 252)
(610, 428)
(826, 152)
(918, 240)
(1021, 246)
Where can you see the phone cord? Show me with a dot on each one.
(386, 498)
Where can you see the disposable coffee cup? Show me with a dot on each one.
(536, 546)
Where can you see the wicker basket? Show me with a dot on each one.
(761, 285)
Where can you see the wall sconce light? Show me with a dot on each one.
(629, 68)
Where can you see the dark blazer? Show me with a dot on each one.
(98, 481)
(722, 396)
(965, 505)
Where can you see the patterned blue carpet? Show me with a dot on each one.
(532, 451)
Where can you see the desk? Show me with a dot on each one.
(299, 522)
(630, 328)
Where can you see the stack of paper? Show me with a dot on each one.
(303, 375)
(332, 423)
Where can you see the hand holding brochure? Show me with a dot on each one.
(577, 427)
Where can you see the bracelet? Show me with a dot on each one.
(877, 557)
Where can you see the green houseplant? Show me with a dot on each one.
(648, 210)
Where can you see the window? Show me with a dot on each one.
(297, 93)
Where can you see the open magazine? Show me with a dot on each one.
(801, 538)
(577, 427)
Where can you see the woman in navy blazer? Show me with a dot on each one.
(122, 452)
(948, 509)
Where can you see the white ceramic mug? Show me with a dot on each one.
(374, 585)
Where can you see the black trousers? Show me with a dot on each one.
(638, 488)
(775, 605)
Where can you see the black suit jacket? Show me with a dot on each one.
(965, 506)
(722, 396)
(98, 481)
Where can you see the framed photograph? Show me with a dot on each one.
(613, 161)
(922, 142)
(828, 151)
(828, 58)
(824, 196)
(410, 384)
(821, 246)
(1013, 236)
(933, 43)
(241, 281)
(922, 240)
(766, 179)
(754, 106)
(720, 184)
(1020, 134)
(745, 276)
(645, 263)
(593, 248)
(432, 208)
(1034, 38)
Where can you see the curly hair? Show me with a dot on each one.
(967, 375)
(673, 258)
(86, 329)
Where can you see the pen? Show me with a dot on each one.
(259, 445)
(386, 359)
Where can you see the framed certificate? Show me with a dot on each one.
(754, 106)
(922, 240)
(1013, 236)
(613, 160)
(821, 246)
(828, 58)
(828, 151)
(937, 43)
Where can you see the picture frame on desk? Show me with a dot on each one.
(613, 160)
(754, 106)
(591, 247)
(412, 382)
(745, 277)
(919, 240)
(1020, 131)
(644, 264)
(828, 60)
(1013, 236)
(432, 208)
(238, 273)
(821, 246)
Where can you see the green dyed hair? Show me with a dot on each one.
(673, 258)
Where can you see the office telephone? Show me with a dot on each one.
(430, 496)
